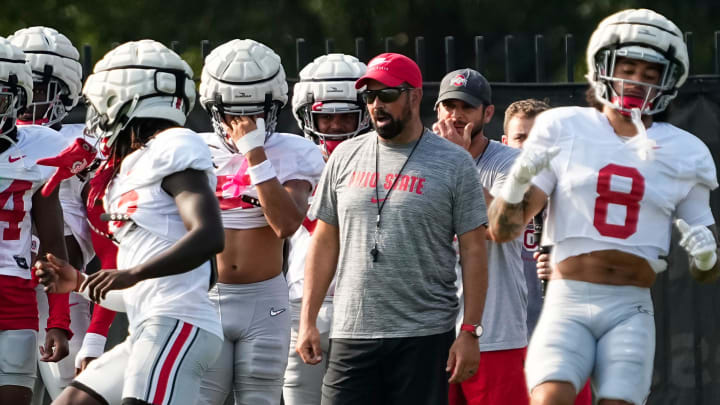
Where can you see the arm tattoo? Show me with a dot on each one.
(507, 219)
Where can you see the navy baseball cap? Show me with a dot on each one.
(467, 85)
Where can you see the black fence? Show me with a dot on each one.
(687, 361)
(517, 57)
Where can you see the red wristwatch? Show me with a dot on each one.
(475, 330)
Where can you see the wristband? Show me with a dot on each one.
(253, 139)
(93, 345)
(261, 173)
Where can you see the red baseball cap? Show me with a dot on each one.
(392, 69)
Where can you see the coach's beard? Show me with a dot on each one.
(393, 127)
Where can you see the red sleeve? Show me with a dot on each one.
(59, 316)
(101, 320)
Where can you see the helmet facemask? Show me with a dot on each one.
(610, 90)
(11, 98)
(48, 105)
(309, 111)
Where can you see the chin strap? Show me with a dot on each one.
(645, 146)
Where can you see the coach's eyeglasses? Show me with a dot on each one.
(386, 95)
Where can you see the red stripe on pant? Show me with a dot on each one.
(170, 363)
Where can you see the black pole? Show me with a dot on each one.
(508, 60)
(570, 57)
(420, 54)
(449, 54)
(360, 49)
(479, 48)
(539, 58)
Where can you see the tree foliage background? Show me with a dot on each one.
(278, 23)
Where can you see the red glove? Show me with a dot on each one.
(71, 161)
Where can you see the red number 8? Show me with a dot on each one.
(630, 200)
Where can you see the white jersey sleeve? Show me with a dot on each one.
(543, 135)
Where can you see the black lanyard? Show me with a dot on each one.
(374, 251)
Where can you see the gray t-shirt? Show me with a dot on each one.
(504, 317)
(410, 289)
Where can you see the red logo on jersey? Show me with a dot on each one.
(458, 81)
(15, 159)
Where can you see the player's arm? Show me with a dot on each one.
(199, 210)
(284, 205)
(518, 200)
(320, 265)
(508, 220)
(48, 219)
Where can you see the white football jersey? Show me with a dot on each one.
(292, 156)
(20, 178)
(156, 225)
(73, 206)
(604, 195)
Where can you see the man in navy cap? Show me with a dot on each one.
(388, 207)
(464, 106)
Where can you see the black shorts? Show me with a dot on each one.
(388, 371)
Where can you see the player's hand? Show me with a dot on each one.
(57, 275)
(447, 130)
(699, 243)
(56, 346)
(464, 358)
(246, 132)
(531, 162)
(543, 265)
(104, 281)
(308, 344)
(84, 362)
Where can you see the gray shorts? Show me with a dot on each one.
(161, 363)
(18, 357)
(593, 329)
(256, 323)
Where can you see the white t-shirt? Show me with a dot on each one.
(156, 225)
(20, 178)
(505, 315)
(604, 195)
(292, 156)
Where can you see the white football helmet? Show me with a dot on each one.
(56, 69)
(15, 84)
(139, 79)
(637, 34)
(327, 86)
(243, 77)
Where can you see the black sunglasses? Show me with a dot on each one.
(386, 95)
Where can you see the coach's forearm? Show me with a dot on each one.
(473, 260)
(320, 265)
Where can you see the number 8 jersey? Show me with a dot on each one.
(604, 194)
(20, 178)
